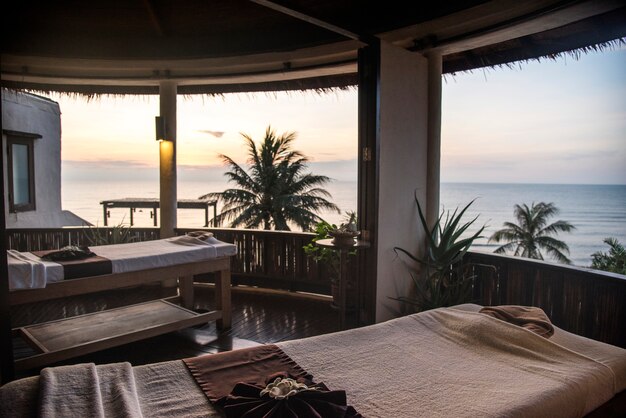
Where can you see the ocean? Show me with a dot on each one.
(597, 211)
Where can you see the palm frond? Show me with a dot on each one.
(556, 227)
(275, 190)
(531, 235)
(504, 248)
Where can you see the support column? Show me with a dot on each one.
(7, 367)
(434, 137)
(167, 159)
(402, 171)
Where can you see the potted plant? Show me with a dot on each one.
(329, 257)
(443, 279)
(346, 232)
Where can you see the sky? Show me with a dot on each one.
(560, 121)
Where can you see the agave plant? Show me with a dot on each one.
(444, 280)
(117, 234)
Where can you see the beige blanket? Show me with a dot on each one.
(452, 363)
(441, 363)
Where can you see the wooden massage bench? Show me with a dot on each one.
(33, 279)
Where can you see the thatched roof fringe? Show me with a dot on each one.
(576, 54)
(598, 33)
(319, 85)
(510, 54)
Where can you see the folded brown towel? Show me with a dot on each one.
(246, 383)
(77, 262)
(67, 253)
(529, 317)
(217, 374)
(201, 235)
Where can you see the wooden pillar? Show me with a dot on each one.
(434, 137)
(7, 367)
(185, 291)
(105, 212)
(223, 299)
(167, 159)
(393, 107)
(369, 71)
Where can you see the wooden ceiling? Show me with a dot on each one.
(215, 46)
(187, 29)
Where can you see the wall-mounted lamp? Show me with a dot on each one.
(160, 128)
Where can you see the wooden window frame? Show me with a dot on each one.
(29, 141)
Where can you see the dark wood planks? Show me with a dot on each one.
(582, 301)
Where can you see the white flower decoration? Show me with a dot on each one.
(283, 388)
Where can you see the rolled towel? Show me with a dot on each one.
(201, 235)
(67, 253)
(530, 317)
(194, 238)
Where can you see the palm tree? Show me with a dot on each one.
(614, 260)
(274, 191)
(532, 234)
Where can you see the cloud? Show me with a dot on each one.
(201, 167)
(217, 134)
(108, 164)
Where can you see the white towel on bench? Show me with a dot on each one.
(27, 271)
(87, 390)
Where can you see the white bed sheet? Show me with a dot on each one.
(27, 271)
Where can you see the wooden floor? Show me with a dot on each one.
(257, 319)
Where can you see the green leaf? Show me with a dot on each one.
(444, 281)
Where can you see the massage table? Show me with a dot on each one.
(34, 279)
(447, 362)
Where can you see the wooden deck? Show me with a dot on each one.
(257, 318)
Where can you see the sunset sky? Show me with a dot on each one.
(558, 121)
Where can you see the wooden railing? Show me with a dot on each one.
(586, 302)
(273, 259)
(35, 239)
(270, 259)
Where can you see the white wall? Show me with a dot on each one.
(403, 148)
(37, 115)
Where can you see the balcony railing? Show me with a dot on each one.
(582, 301)
(273, 259)
(586, 302)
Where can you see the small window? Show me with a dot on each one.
(21, 171)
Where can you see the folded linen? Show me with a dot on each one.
(217, 374)
(68, 253)
(194, 238)
(87, 390)
(203, 235)
(264, 382)
(530, 317)
(27, 271)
